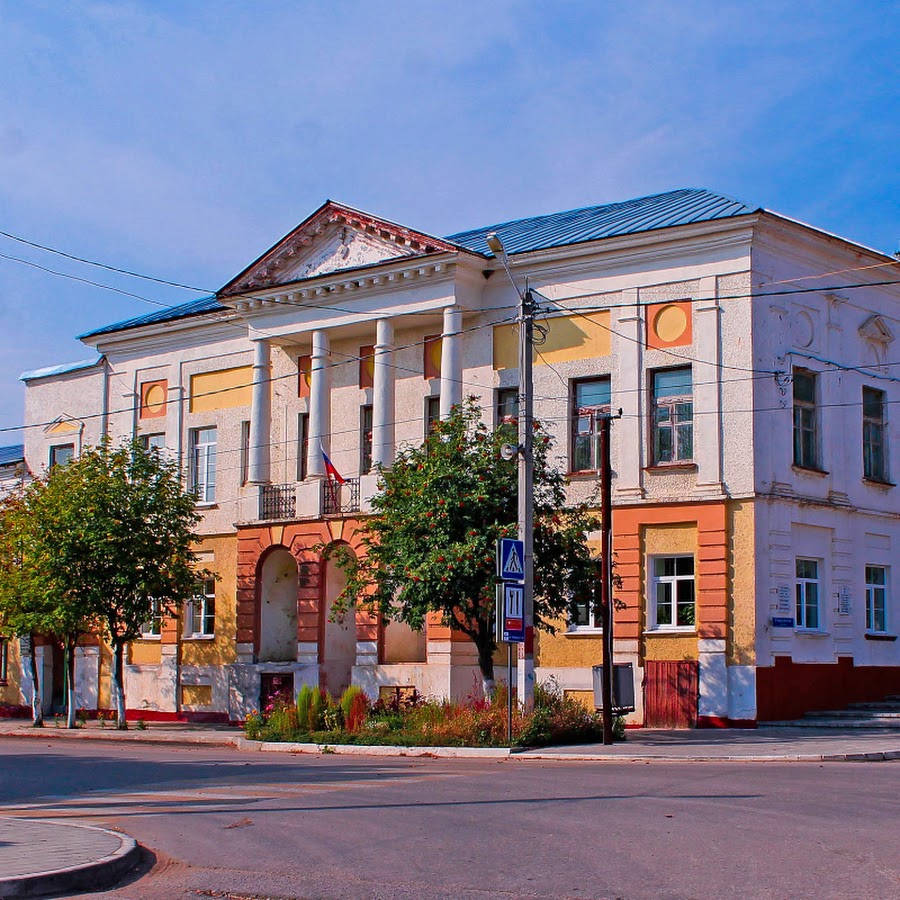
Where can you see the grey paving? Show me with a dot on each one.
(40, 857)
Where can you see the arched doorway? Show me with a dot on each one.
(278, 588)
(338, 655)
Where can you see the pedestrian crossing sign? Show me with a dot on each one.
(511, 559)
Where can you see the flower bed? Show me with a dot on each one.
(416, 722)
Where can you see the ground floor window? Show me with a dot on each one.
(200, 612)
(152, 628)
(876, 598)
(807, 593)
(673, 598)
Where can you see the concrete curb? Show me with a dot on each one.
(238, 741)
(92, 875)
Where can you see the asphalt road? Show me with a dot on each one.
(232, 824)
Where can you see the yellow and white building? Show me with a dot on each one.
(756, 525)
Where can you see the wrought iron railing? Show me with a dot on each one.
(340, 498)
(277, 501)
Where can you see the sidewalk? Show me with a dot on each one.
(38, 857)
(697, 745)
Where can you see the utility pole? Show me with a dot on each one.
(606, 577)
(526, 494)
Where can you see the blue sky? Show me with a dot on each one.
(181, 139)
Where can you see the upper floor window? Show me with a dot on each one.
(874, 457)
(673, 597)
(876, 598)
(245, 452)
(302, 444)
(590, 403)
(365, 440)
(806, 420)
(673, 416)
(807, 593)
(202, 475)
(61, 454)
(153, 441)
(507, 406)
(200, 614)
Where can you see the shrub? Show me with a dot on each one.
(304, 701)
(316, 717)
(355, 706)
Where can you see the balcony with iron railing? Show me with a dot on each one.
(311, 499)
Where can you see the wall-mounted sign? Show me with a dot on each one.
(784, 598)
(844, 601)
(782, 622)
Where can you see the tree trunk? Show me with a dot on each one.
(70, 682)
(37, 705)
(118, 684)
(486, 665)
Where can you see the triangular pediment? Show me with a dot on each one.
(876, 329)
(332, 239)
(63, 425)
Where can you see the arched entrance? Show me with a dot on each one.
(338, 655)
(278, 607)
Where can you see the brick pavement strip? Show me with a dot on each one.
(40, 857)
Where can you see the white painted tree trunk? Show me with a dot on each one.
(37, 705)
(70, 685)
(118, 686)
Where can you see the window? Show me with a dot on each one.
(507, 406)
(806, 427)
(153, 441)
(245, 452)
(584, 610)
(152, 628)
(203, 464)
(873, 435)
(200, 613)
(365, 440)
(61, 454)
(4, 660)
(674, 604)
(432, 413)
(302, 444)
(673, 416)
(807, 592)
(876, 598)
(590, 404)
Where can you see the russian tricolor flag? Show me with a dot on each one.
(330, 470)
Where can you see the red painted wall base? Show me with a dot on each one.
(724, 722)
(787, 690)
(156, 715)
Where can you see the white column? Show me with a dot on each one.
(451, 360)
(707, 388)
(628, 393)
(383, 395)
(319, 405)
(260, 414)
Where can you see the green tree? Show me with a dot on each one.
(430, 545)
(112, 533)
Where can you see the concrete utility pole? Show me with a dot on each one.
(525, 679)
(606, 577)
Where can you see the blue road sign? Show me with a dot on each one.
(513, 613)
(511, 559)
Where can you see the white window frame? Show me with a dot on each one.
(156, 439)
(203, 464)
(673, 580)
(802, 585)
(201, 609)
(872, 589)
(151, 630)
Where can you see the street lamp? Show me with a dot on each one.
(526, 473)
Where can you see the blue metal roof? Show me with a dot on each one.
(681, 207)
(182, 311)
(47, 371)
(11, 455)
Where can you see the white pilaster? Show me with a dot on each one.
(628, 393)
(707, 388)
(383, 395)
(260, 414)
(451, 360)
(319, 405)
